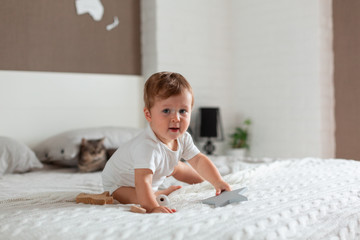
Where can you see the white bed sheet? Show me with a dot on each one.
(49, 179)
(290, 199)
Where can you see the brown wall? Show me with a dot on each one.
(46, 35)
(346, 22)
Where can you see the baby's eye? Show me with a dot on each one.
(166, 110)
(182, 111)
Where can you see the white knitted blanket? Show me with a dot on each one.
(291, 199)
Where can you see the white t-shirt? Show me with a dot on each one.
(145, 151)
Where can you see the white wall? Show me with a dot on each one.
(284, 75)
(192, 37)
(37, 105)
(270, 61)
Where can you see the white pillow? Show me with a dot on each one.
(63, 149)
(16, 157)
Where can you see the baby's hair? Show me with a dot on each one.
(164, 85)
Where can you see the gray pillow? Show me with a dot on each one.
(16, 157)
(63, 149)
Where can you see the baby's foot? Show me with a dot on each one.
(168, 190)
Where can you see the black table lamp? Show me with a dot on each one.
(209, 126)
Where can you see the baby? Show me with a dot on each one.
(137, 169)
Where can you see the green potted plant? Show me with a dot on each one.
(240, 140)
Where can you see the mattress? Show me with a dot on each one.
(289, 199)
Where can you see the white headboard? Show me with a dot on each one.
(36, 105)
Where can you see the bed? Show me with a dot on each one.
(288, 199)
(307, 198)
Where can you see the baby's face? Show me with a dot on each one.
(170, 118)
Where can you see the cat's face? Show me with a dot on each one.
(92, 150)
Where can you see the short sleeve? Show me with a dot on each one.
(189, 148)
(144, 156)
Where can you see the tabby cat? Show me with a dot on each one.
(93, 155)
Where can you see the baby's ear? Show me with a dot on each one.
(147, 114)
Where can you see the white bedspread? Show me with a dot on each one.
(292, 199)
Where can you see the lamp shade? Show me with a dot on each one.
(209, 123)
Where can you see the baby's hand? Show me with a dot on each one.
(221, 186)
(162, 209)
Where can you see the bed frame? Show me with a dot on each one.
(37, 105)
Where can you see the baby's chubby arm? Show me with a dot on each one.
(209, 172)
(144, 192)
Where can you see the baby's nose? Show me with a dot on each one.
(175, 117)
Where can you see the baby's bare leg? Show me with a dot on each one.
(125, 195)
(185, 173)
(167, 191)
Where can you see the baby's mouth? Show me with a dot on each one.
(173, 129)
